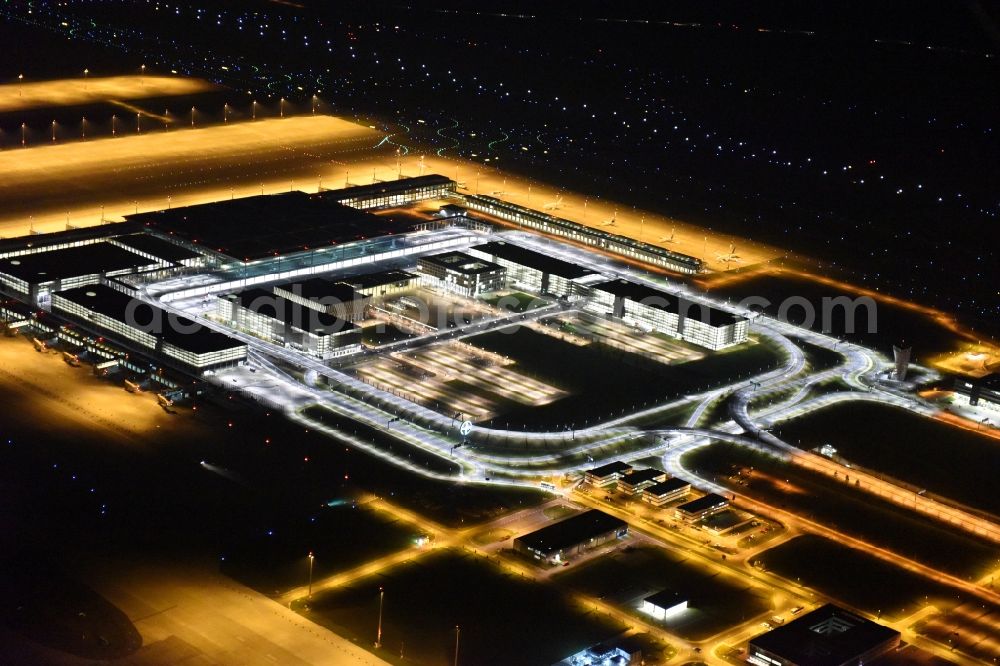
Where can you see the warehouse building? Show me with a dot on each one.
(463, 274)
(334, 298)
(666, 492)
(280, 321)
(702, 507)
(638, 480)
(654, 310)
(570, 537)
(34, 276)
(607, 475)
(827, 636)
(173, 338)
(534, 271)
(664, 604)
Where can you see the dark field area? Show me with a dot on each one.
(715, 601)
(504, 619)
(851, 511)
(892, 324)
(946, 460)
(604, 382)
(855, 578)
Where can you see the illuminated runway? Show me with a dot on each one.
(95, 90)
(49, 186)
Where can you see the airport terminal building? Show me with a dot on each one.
(150, 329)
(534, 271)
(280, 321)
(334, 298)
(656, 310)
(463, 274)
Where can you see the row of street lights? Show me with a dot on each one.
(381, 605)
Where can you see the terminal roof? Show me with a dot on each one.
(94, 258)
(264, 226)
(531, 259)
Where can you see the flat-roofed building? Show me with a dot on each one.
(339, 299)
(572, 536)
(982, 392)
(33, 276)
(666, 492)
(463, 274)
(534, 271)
(664, 604)
(655, 310)
(158, 249)
(607, 475)
(827, 636)
(636, 481)
(281, 321)
(702, 507)
(383, 283)
(394, 192)
(148, 328)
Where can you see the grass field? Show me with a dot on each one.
(605, 382)
(851, 511)
(273, 557)
(893, 322)
(949, 461)
(504, 619)
(715, 601)
(855, 577)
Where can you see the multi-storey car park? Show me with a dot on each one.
(190, 261)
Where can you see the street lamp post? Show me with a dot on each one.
(83, 128)
(24, 139)
(114, 123)
(192, 116)
(457, 632)
(281, 107)
(253, 110)
(378, 633)
(138, 127)
(53, 131)
(85, 73)
(225, 113)
(314, 101)
(312, 558)
(142, 72)
(20, 82)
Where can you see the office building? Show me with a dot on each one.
(534, 271)
(607, 475)
(666, 491)
(655, 310)
(702, 507)
(638, 480)
(280, 321)
(572, 536)
(463, 274)
(148, 328)
(827, 636)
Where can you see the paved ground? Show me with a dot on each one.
(188, 615)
